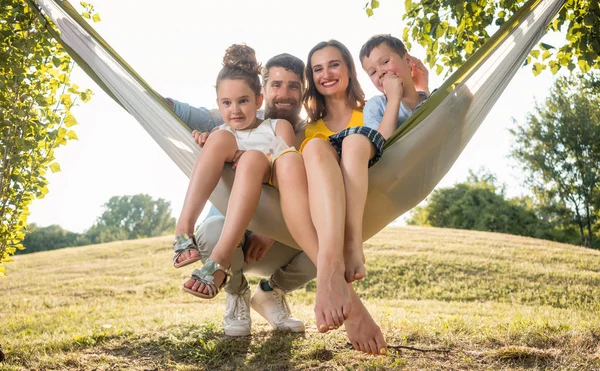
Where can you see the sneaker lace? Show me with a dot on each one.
(240, 308)
(283, 305)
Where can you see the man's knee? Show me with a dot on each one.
(208, 234)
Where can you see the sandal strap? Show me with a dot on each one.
(206, 275)
(184, 242)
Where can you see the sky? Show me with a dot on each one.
(177, 47)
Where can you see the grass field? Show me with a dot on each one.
(497, 302)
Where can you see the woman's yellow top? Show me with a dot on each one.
(318, 129)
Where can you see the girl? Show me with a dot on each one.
(264, 141)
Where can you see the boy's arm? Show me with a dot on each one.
(200, 119)
(388, 120)
(285, 130)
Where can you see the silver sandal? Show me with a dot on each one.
(185, 242)
(206, 276)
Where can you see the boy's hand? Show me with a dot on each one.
(420, 74)
(200, 137)
(392, 87)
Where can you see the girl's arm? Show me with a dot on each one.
(285, 130)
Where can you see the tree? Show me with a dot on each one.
(130, 217)
(479, 204)
(450, 31)
(36, 98)
(559, 149)
(49, 238)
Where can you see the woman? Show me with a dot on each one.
(337, 152)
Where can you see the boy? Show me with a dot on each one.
(401, 78)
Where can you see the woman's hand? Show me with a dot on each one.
(200, 137)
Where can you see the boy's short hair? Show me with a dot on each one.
(392, 42)
(287, 61)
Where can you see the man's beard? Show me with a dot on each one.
(292, 114)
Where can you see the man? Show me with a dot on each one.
(287, 268)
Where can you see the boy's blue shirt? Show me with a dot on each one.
(375, 107)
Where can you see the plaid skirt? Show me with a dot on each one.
(374, 136)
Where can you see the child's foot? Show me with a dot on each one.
(354, 260)
(363, 332)
(186, 250)
(332, 305)
(208, 281)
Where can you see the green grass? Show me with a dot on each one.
(498, 302)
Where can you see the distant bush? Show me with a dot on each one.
(124, 218)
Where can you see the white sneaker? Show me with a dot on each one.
(273, 306)
(237, 321)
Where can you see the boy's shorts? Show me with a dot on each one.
(374, 136)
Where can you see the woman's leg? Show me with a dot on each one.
(357, 150)
(327, 201)
(289, 177)
(253, 169)
(220, 148)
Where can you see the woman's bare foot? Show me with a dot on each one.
(354, 260)
(333, 303)
(363, 332)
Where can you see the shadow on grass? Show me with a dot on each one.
(203, 345)
(273, 350)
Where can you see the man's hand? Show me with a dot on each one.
(420, 74)
(392, 87)
(236, 157)
(256, 247)
(200, 137)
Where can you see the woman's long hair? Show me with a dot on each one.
(314, 102)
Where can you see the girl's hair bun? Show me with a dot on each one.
(243, 57)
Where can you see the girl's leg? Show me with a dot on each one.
(220, 148)
(327, 202)
(253, 169)
(357, 150)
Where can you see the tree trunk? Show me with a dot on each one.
(589, 226)
(580, 223)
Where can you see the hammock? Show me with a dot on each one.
(416, 157)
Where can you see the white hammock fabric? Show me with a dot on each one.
(412, 165)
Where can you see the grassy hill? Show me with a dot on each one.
(498, 302)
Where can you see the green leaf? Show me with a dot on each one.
(374, 4)
(535, 53)
(469, 47)
(55, 167)
(583, 66)
(538, 68)
(554, 67)
(70, 121)
(369, 12)
(546, 55)
(408, 5)
(439, 69)
(72, 135)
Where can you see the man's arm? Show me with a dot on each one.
(200, 119)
